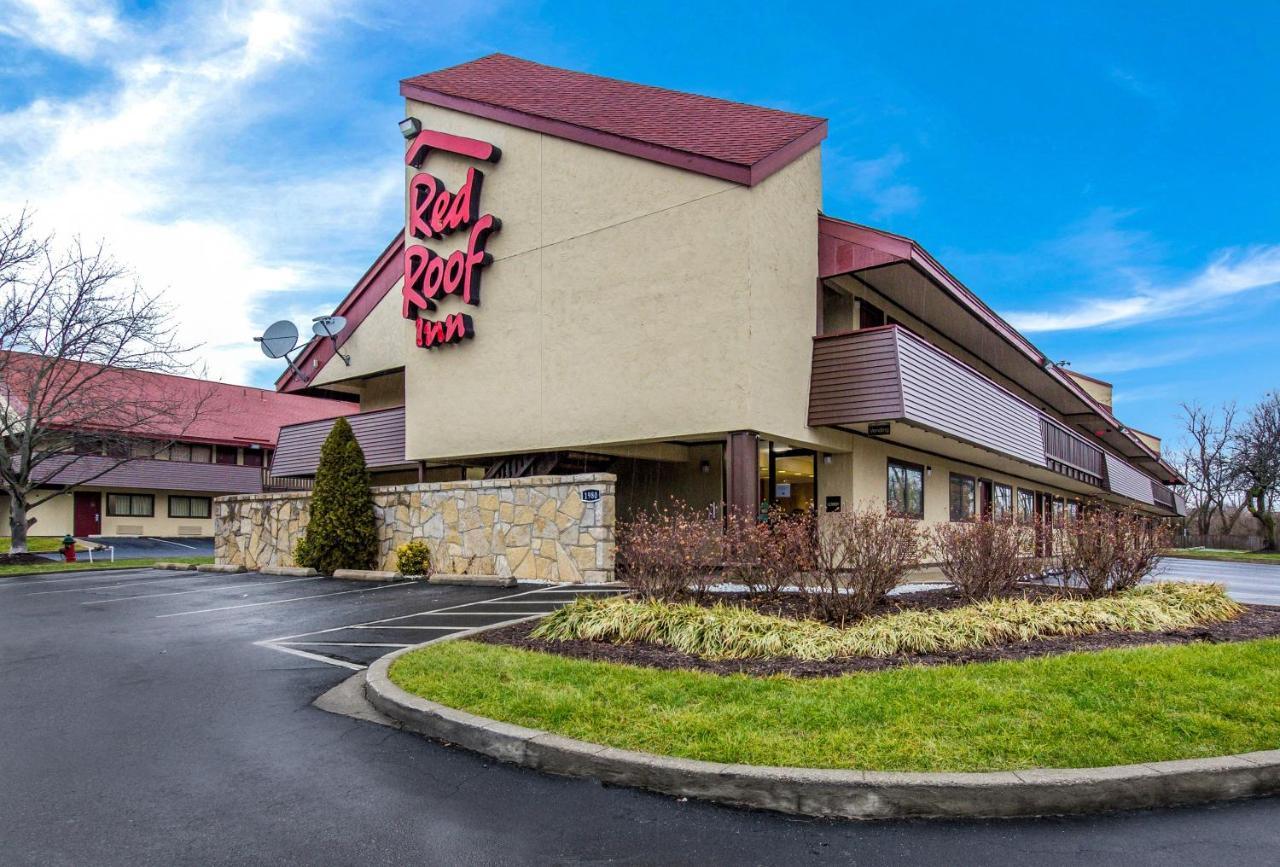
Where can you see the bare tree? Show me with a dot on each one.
(1205, 462)
(78, 342)
(1256, 461)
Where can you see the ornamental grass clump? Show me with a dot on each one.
(985, 559)
(730, 632)
(342, 531)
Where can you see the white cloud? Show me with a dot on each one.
(74, 28)
(1231, 272)
(875, 180)
(139, 163)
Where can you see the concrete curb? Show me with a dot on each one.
(290, 571)
(220, 568)
(472, 580)
(837, 793)
(367, 575)
(177, 567)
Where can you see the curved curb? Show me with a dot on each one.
(837, 793)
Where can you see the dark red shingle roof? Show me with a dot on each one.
(715, 136)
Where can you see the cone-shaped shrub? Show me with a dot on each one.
(341, 533)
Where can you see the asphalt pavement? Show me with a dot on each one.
(160, 718)
(1258, 583)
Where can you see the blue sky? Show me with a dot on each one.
(1105, 178)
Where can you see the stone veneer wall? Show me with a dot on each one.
(537, 527)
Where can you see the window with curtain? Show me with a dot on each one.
(190, 507)
(131, 505)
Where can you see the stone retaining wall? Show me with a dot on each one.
(537, 528)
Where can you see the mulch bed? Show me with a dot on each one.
(22, 559)
(1257, 621)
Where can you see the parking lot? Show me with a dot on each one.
(166, 717)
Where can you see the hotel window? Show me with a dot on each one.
(131, 505)
(905, 494)
(1026, 505)
(1059, 511)
(202, 454)
(253, 457)
(1002, 502)
(964, 497)
(1073, 509)
(179, 452)
(190, 507)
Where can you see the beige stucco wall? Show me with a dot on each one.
(56, 517)
(534, 528)
(628, 301)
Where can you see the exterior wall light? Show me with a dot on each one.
(826, 459)
(410, 126)
(705, 466)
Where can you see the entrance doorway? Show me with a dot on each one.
(788, 477)
(87, 513)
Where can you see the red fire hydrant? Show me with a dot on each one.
(69, 548)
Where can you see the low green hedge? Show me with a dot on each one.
(730, 632)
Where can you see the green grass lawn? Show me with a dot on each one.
(35, 544)
(1073, 710)
(1215, 554)
(83, 564)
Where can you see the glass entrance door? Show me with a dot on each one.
(788, 478)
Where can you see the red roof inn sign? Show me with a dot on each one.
(435, 212)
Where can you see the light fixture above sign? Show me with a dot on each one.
(433, 212)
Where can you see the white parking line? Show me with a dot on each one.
(338, 644)
(293, 599)
(118, 584)
(315, 657)
(87, 575)
(171, 542)
(290, 643)
(185, 592)
(388, 627)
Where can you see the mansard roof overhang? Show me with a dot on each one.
(371, 288)
(899, 269)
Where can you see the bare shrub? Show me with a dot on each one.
(766, 555)
(670, 551)
(984, 559)
(1106, 550)
(859, 556)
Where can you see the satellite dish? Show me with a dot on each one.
(331, 327)
(328, 326)
(278, 341)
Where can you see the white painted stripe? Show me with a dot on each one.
(384, 627)
(294, 599)
(169, 542)
(83, 575)
(468, 614)
(338, 644)
(197, 590)
(118, 584)
(315, 657)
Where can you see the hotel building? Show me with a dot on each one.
(665, 299)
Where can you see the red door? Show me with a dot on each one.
(88, 513)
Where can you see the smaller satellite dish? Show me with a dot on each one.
(331, 327)
(328, 326)
(279, 339)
